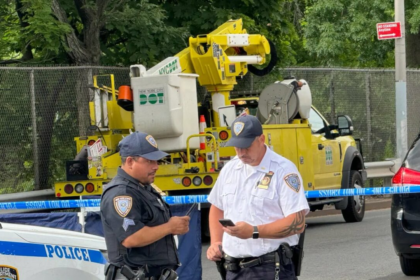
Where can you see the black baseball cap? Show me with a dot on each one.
(140, 144)
(244, 131)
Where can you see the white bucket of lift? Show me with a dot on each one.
(165, 106)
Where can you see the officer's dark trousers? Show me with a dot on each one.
(264, 271)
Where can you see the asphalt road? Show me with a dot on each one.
(337, 250)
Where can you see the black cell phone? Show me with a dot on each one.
(195, 204)
(226, 223)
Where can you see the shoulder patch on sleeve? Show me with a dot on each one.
(123, 204)
(293, 181)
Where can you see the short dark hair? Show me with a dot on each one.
(124, 159)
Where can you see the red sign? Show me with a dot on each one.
(388, 30)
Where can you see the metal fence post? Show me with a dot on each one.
(332, 98)
(368, 114)
(400, 83)
(34, 131)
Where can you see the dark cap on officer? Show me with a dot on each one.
(244, 131)
(140, 144)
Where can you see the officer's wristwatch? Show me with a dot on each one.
(255, 234)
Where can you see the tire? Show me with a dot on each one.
(355, 210)
(410, 267)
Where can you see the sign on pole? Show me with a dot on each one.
(388, 30)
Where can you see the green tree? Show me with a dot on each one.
(343, 33)
(86, 32)
(80, 32)
(278, 20)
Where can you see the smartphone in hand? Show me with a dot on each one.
(195, 204)
(226, 223)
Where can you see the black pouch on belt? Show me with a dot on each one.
(168, 274)
(110, 271)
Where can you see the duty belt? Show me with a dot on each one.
(233, 264)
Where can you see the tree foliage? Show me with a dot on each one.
(124, 32)
(86, 32)
(278, 20)
(343, 32)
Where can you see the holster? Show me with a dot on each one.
(221, 268)
(221, 265)
(130, 274)
(298, 253)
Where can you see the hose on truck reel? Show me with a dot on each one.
(273, 61)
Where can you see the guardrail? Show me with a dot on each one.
(25, 196)
(382, 169)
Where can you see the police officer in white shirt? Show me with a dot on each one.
(261, 192)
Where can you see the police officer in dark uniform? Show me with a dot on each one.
(139, 230)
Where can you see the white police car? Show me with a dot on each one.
(31, 252)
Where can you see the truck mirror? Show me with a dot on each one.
(345, 125)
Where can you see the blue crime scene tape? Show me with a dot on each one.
(187, 199)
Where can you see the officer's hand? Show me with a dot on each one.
(213, 252)
(241, 230)
(179, 225)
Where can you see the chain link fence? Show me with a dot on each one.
(42, 109)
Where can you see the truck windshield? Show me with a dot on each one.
(315, 120)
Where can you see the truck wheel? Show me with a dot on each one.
(410, 267)
(355, 210)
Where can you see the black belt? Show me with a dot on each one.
(233, 264)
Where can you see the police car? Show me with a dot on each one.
(32, 252)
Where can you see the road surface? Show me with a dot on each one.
(337, 250)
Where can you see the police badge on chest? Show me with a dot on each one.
(265, 182)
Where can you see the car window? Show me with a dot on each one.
(413, 157)
(315, 120)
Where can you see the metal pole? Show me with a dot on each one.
(34, 131)
(400, 83)
(332, 98)
(368, 115)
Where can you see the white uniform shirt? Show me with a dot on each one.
(241, 191)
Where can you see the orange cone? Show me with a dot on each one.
(202, 127)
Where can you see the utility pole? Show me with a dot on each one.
(400, 83)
